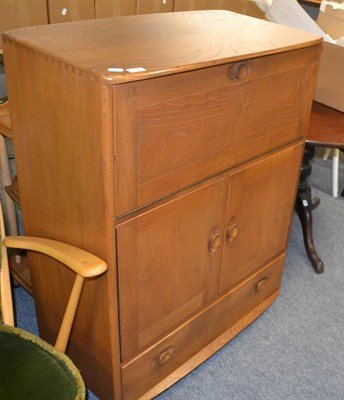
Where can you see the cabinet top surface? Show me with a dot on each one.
(132, 48)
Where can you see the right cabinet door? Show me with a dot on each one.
(260, 203)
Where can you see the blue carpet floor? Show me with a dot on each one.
(295, 350)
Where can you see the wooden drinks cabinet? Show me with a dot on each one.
(170, 146)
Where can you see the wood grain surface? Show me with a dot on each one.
(159, 43)
(326, 127)
(180, 129)
(148, 369)
(153, 174)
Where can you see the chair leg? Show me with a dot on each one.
(326, 153)
(6, 303)
(335, 172)
(7, 181)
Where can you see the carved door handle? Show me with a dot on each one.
(232, 230)
(214, 240)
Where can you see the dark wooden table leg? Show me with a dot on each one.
(304, 206)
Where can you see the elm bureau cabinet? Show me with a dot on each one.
(170, 146)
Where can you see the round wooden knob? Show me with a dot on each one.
(260, 285)
(214, 239)
(232, 232)
(239, 71)
(165, 356)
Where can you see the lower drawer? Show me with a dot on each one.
(158, 361)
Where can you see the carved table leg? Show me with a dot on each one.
(304, 206)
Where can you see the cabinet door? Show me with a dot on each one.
(245, 7)
(168, 264)
(19, 13)
(70, 10)
(190, 5)
(154, 6)
(114, 8)
(260, 203)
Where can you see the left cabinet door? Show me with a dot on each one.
(168, 264)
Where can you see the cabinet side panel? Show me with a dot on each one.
(58, 133)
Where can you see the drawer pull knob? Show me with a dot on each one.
(260, 285)
(165, 356)
(232, 231)
(214, 240)
(239, 71)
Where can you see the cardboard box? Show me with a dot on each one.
(330, 84)
(331, 18)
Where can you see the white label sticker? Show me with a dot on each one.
(137, 69)
(115, 69)
(64, 11)
(305, 203)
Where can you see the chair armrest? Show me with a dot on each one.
(86, 265)
(80, 261)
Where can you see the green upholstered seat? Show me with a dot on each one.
(31, 369)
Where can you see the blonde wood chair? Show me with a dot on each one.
(6, 178)
(6, 133)
(19, 265)
(47, 372)
(335, 167)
